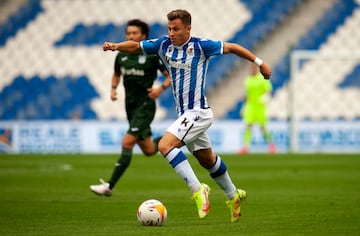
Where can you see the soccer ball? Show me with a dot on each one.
(152, 213)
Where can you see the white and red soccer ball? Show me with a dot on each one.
(152, 213)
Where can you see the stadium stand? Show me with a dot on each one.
(62, 74)
(314, 39)
(19, 20)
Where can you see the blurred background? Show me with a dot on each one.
(52, 67)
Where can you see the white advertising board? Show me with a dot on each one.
(226, 136)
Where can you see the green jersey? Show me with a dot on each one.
(255, 108)
(256, 86)
(139, 72)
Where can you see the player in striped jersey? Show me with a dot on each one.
(186, 59)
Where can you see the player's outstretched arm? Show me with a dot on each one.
(126, 46)
(246, 54)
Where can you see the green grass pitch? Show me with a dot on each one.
(287, 195)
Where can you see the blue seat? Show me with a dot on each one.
(352, 79)
(316, 36)
(19, 82)
(157, 30)
(19, 20)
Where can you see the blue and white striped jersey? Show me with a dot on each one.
(187, 66)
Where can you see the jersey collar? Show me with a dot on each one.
(186, 42)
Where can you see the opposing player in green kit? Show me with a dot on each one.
(139, 72)
(257, 95)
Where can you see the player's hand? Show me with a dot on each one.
(265, 70)
(154, 93)
(113, 95)
(109, 46)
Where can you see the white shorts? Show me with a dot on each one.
(191, 128)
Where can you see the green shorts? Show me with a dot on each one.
(140, 119)
(255, 115)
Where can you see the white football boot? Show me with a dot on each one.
(101, 189)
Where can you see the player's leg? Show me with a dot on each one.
(266, 134)
(198, 143)
(182, 131)
(248, 121)
(149, 146)
(262, 120)
(106, 188)
(138, 132)
(139, 126)
(124, 160)
(142, 120)
(268, 139)
(246, 139)
(214, 165)
(218, 171)
(169, 147)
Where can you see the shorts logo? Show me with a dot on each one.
(185, 122)
(134, 129)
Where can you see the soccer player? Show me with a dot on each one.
(186, 59)
(257, 95)
(139, 72)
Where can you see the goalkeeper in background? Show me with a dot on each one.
(257, 91)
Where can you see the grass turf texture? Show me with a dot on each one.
(287, 195)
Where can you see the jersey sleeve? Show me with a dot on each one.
(151, 46)
(161, 66)
(212, 48)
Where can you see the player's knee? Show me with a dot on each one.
(128, 144)
(148, 146)
(166, 146)
(149, 152)
(168, 142)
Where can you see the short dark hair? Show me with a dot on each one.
(141, 24)
(183, 15)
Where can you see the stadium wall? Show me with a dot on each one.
(226, 136)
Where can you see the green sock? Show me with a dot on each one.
(120, 166)
(247, 137)
(267, 136)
